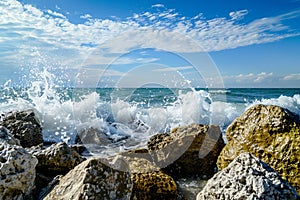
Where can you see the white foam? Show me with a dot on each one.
(290, 103)
(62, 118)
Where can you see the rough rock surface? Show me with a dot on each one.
(6, 136)
(149, 182)
(270, 133)
(92, 136)
(24, 126)
(188, 150)
(94, 179)
(17, 172)
(58, 159)
(153, 185)
(247, 177)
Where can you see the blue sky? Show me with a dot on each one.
(204, 43)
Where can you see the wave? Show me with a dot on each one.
(65, 112)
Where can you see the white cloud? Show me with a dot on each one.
(172, 69)
(86, 16)
(262, 80)
(238, 14)
(291, 77)
(26, 29)
(158, 6)
(263, 76)
(250, 78)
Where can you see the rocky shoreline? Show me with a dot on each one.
(261, 160)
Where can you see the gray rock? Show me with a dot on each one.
(270, 133)
(94, 179)
(58, 159)
(247, 177)
(17, 172)
(187, 150)
(24, 126)
(6, 136)
(92, 136)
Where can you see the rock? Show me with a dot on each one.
(247, 177)
(190, 187)
(49, 187)
(79, 148)
(24, 126)
(149, 182)
(92, 136)
(94, 179)
(58, 159)
(270, 133)
(6, 136)
(17, 172)
(187, 151)
(153, 185)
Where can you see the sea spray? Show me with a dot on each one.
(65, 111)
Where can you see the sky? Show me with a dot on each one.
(122, 43)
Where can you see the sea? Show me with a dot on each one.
(130, 116)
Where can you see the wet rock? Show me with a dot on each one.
(58, 159)
(79, 148)
(153, 185)
(6, 136)
(149, 182)
(270, 133)
(24, 126)
(247, 177)
(17, 172)
(92, 136)
(187, 151)
(94, 179)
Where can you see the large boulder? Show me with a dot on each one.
(247, 177)
(94, 178)
(17, 171)
(270, 133)
(187, 151)
(149, 182)
(58, 159)
(24, 126)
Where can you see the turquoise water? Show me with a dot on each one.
(138, 113)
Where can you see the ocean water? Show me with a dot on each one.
(135, 114)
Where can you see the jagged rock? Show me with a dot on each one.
(149, 182)
(17, 172)
(187, 151)
(58, 159)
(6, 136)
(94, 179)
(247, 178)
(24, 126)
(270, 133)
(153, 185)
(92, 136)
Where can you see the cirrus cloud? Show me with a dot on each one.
(28, 31)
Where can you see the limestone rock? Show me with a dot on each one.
(24, 126)
(6, 136)
(247, 177)
(58, 159)
(153, 185)
(94, 179)
(149, 182)
(92, 136)
(270, 133)
(17, 172)
(188, 150)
